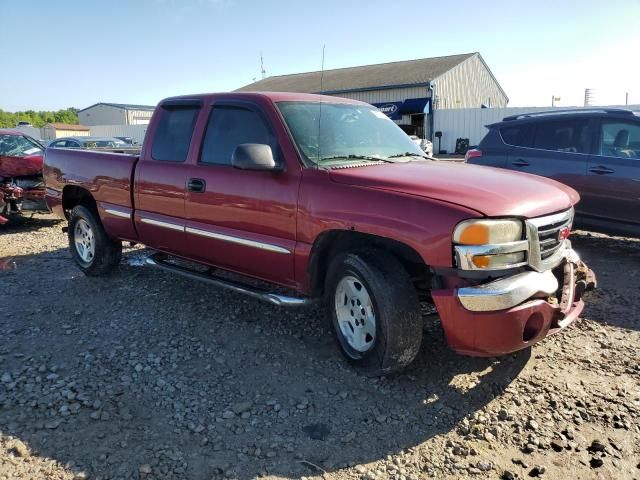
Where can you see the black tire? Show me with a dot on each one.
(107, 251)
(396, 308)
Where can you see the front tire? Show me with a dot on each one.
(92, 249)
(374, 311)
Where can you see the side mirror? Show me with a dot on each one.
(253, 156)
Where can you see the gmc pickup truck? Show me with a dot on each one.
(326, 198)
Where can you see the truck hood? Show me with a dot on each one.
(490, 191)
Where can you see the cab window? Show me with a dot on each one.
(230, 126)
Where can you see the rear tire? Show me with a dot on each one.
(93, 251)
(374, 311)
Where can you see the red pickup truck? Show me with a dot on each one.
(326, 198)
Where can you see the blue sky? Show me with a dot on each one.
(74, 53)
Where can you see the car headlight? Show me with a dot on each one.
(489, 244)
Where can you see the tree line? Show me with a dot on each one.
(39, 119)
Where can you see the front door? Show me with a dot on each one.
(239, 219)
(613, 188)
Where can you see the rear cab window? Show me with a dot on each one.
(173, 133)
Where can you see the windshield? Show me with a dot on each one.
(336, 133)
(18, 146)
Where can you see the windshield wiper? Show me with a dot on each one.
(357, 157)
(409, 154)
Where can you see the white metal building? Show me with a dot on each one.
(58, 130)
(408, 92)
(115, 114)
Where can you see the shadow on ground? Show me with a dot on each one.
(616, 262)
(143, 368)
(27, 223)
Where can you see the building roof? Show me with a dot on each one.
(405, 73)
(122, 106)
(67, 126)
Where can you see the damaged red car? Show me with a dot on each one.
(21, 183)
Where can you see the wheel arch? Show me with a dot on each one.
(73, 195)
(331, 242)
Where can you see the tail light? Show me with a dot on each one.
(473, 153)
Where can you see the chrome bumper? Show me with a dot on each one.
(508, 292)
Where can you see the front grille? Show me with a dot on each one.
(548, 238)
(544, 242)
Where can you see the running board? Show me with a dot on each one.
(274, 298)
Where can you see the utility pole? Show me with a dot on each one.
(263, 72)
(626, 98)
(554, 99)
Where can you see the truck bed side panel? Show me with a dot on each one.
(106, 176)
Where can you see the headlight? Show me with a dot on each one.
(487, 232)
(489, 244)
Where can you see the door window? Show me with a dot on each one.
(173, 134)
(563, 136)
(229, 127)
(619, 139)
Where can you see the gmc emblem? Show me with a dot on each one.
(564, 233)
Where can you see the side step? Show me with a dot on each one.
(158, 260)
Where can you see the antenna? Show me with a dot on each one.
(263, 72)
(320, 107)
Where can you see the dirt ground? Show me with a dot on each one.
(147, 375)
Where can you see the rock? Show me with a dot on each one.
(52, 424)
(596, 462)
(19, 449)
(145, 469)
(484, 466)
(558, 445)
(228, 415)
(596, 446)
(533, 425)
(360, 469)
(537, 471)
(349, 437)
(507, 475)
(6, 377)
(241, 407)
(317, 431)
(529, 448)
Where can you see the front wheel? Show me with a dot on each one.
(374, 311)
(91, 248)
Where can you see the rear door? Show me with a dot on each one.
(161, 173)
(558, 149)
(612, 192)
(242, 220)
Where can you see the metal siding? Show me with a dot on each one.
(102, 115)
(469, 85)
(137, 132)
(387, 95)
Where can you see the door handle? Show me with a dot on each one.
(196, 185)
(520, 163)
(601, 170)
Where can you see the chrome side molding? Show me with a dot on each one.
(273, 298)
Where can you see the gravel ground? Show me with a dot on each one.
(147, 375)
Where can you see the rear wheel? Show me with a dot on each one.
(93, 251)
(374, 311)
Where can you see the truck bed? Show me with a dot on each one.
(107, 176)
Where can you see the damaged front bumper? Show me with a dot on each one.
(513, 312)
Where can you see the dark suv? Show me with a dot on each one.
(595, 151)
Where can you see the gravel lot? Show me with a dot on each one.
(148, 375)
